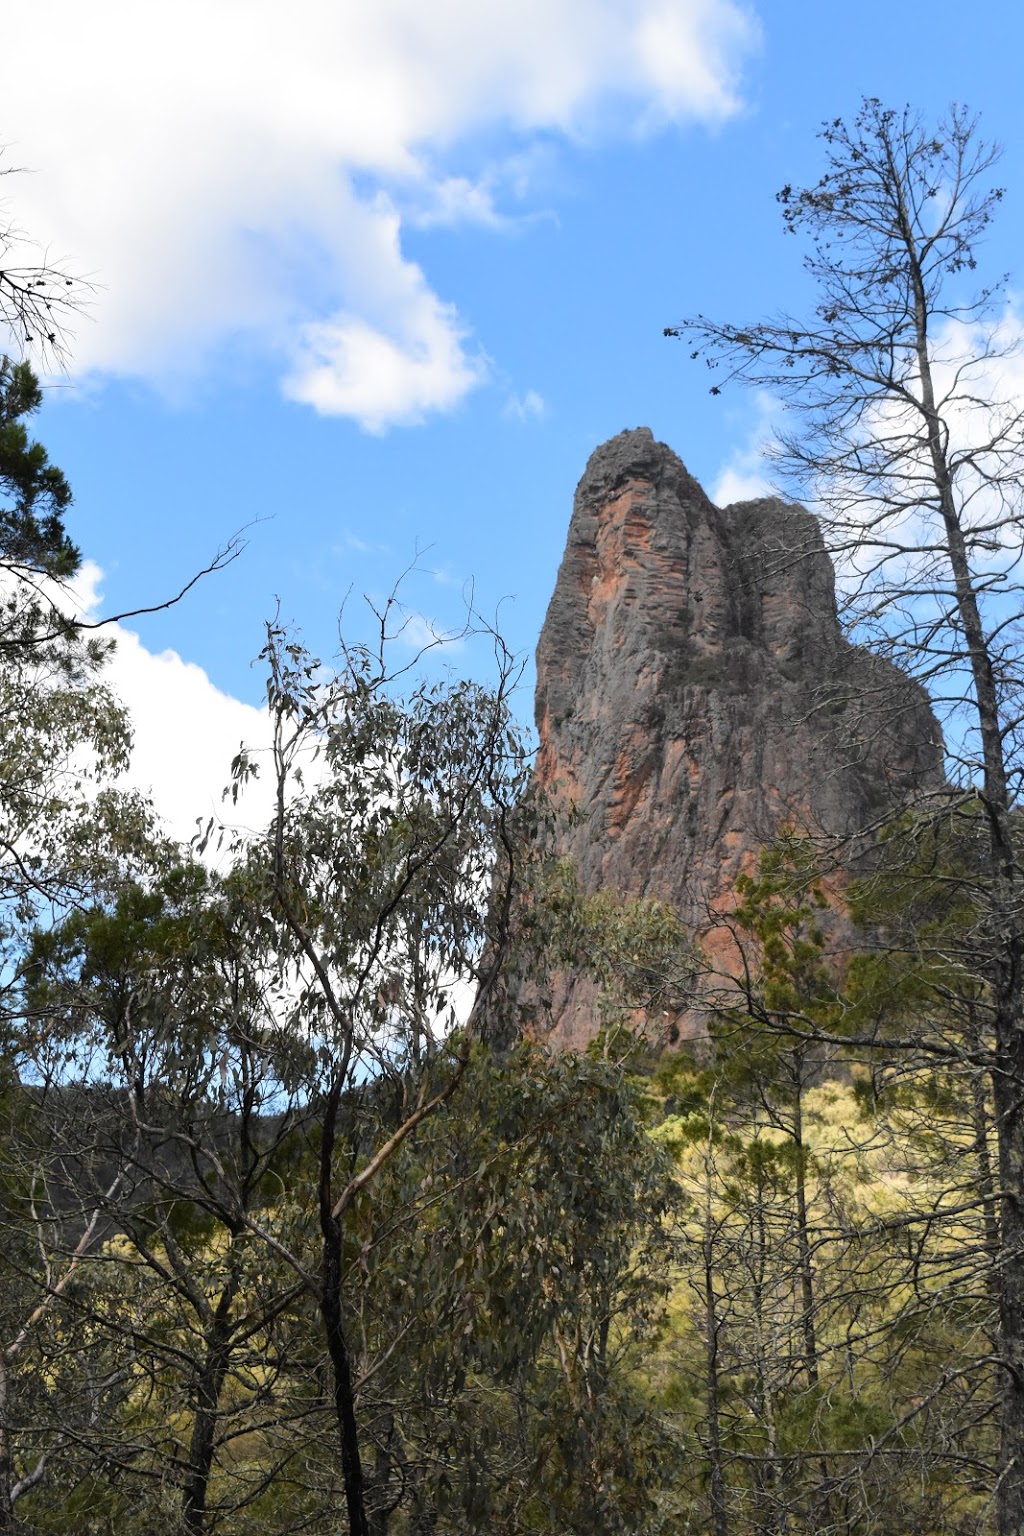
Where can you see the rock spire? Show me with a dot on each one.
(695, 694)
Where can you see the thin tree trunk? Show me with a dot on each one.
(332, 1229)
(719, 1510)
(204, 1428)
(772, 1519)
(6, 1454)
(807, 1302)
(1005, 935)
(986, 1184)
(380, 1517)
(1009, 1077)
(807, 1328)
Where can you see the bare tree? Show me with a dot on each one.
(40, 295)
(908, 439)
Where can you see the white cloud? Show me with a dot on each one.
(456, 200)
(235, 169)
(528, 407)
(879, 507)
(186, 730)
(890, 530)
(746, 477)
(346, 367)
(734, 485)
(685, 51)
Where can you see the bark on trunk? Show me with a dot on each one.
(204, 1429)
(987, 1188)
(1009, 1078)
(1005, 934)
(807, 1283)
(332, 1230)
(344, 1396)
(719, 1512)
(6, 1457)
(772, 1519)
(380, 1512)
(807, 1326)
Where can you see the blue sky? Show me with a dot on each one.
(375, 277)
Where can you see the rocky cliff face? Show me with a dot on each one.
(695, 694)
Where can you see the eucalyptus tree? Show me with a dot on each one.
(904, 430)
(387, 881)
(158, 1012)
(513, 1270)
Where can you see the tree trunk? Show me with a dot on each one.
(331, 1227)
(807, 1303)
(422, 1519)
(1009, 1078)
(987, 1187)
(807, 1328)
(772, 1519)
(1006, 958)
(6, 1455)
(719, 1513)
(379, 1515)
(204, 1428)
(344, 1396)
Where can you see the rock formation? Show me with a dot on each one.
(695, 694)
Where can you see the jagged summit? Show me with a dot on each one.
(695, 692)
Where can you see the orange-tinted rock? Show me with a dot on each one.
(695, 694)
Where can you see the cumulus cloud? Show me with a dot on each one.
(746, 477)
(186, 730)
(686, 53)
(346, 367)
(735, 485)
(233, 170)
